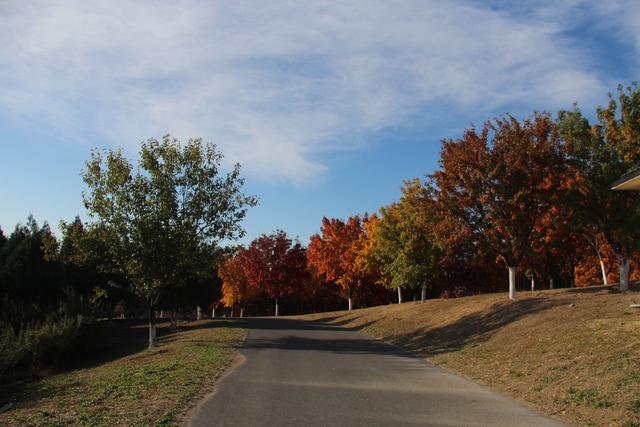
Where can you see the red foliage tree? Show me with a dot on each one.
(275, 265)
(493, 185)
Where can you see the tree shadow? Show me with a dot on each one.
(471, 329)
(350, 344)
(166, 334)
(284, 323)
(613, 288)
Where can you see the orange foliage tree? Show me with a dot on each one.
(235, 285)
(332, 254)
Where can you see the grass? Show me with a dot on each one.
(128, 385)
(571, 353)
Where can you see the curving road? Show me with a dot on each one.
(301, 373)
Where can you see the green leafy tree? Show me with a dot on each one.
(88, 268)
(401, 242)
(29, 275)
(158, 219)
(600, 155)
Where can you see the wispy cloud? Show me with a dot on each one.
(277, 84)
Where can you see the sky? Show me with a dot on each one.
(328, 106)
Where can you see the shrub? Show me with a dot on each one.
(457, 292)
(9, 348)
(54, 339)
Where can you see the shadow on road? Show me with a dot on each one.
(283, 323)
(343, 346)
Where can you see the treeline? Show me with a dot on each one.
(53, 289)
(149, 247)
(521, 202)
(524, 202)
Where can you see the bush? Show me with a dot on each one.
(50, 341)
(9, 348)
(457, 292)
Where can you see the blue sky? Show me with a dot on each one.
(327, 105)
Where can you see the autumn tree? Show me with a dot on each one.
(235, 285)
(401, 243)
(161, 219)
(333, 253)
(275, 265)
(601, 154)
(494, 183)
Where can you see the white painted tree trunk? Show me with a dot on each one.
(152, 335)
(350, 304)
(423, 294)
(198, 313)
(512, 283)
(603, 269)
(213, 313)
(399, 295)
(277, 313)
(241, 311)
(624, 264)
(551, 283)
(533, 284)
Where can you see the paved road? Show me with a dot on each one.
(299, 373)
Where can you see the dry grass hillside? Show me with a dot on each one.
(571, 353)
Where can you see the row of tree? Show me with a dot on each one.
(151, 244)
(533, 196)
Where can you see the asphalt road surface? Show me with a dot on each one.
(301, 373)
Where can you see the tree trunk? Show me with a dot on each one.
(603, 269)
(533, 284)
(596, 247)
(624, 264)
(551, 283)
(213, 313)
(277, 308)
(399, 295)
(241, 311)
(512, 283)
(173, 323)
(349, 298)
(423, 293)
(198, 313)
(152, 328)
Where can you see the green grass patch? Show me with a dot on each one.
(138, 388)
(590, 397)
